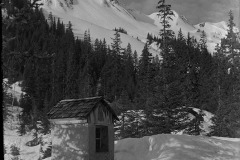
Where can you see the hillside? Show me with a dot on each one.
(102, 16)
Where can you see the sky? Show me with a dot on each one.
(196, 11)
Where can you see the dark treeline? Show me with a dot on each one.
(121, 30)
(53, 65)
(152, 39)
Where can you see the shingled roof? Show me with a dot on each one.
(77, 108)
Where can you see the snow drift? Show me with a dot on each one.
(180, 147)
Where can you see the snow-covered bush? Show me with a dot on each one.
(48, 152)
(15, 151)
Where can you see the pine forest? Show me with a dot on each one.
(54, 64)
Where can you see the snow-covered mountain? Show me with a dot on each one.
(102, 16)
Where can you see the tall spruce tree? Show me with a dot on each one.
(73, 67)
(145, 98)
(113, 69)
(129, 77)
(203, 40)
(165, 14)
(226, 119)
(171, 105)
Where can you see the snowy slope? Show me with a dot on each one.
(215, 32)
(102, 16)
(177, 147)
(176, 23)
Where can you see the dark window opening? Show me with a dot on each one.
(101, 138)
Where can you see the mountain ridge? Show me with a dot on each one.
(102, 16)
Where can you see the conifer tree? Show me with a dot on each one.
(203, 40)
(60, 29)
(113, 69)
(116, 44)
(171, 75)
(135, 59)
(165, 14)
(180, 36)
(129, 77)
(72, 75)
(228, 88)
(96, 63)
(231, 48)
(72, 64)
(144, 97)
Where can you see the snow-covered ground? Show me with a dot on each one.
(177, 147)
(102, 16)
(156, 147)
(11, 137)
